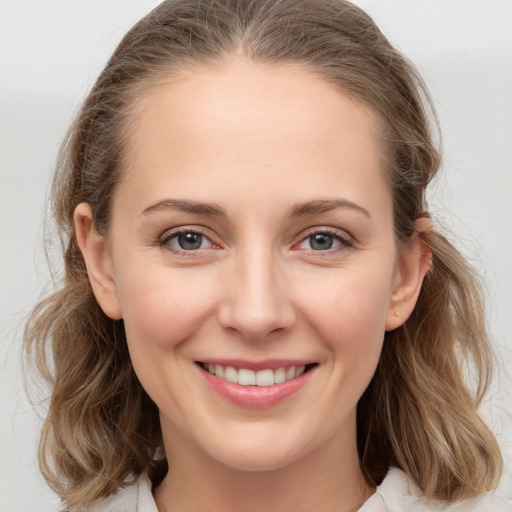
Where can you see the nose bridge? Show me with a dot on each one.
(256, 301)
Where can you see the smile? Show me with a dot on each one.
(256, 384)
(262, 385)
(246, 377)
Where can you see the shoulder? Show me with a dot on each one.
(399, 493)
(136, 497)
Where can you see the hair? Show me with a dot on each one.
(419, 412)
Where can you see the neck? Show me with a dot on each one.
(319, 481)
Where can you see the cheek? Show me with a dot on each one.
(164, 307)
(162, 311)
(348, 314)
(351, 307)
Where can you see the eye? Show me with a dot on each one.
(187, 240)
(325, 241)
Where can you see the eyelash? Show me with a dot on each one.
(345, 241)
(164, 240)
(342, 237)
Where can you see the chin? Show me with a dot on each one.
(259, 452)
(256, 459)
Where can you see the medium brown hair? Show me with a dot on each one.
(418, 413)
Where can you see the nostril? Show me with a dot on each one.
(256, 309)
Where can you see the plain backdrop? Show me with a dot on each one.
(52, 50)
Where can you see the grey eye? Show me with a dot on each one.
(189, 241)
(321, 241)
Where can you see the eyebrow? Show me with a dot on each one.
(299, 210)
(186, 206)
(325, 205)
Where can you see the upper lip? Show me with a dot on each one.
(266, 364)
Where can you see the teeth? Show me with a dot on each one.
(230, 374)
(265, 378)
(290, 373)
(219, 370)
(247, 377)
(280, 375)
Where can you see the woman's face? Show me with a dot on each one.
(252, 237)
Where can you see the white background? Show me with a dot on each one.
(50, 53)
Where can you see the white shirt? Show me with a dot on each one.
(397, 493)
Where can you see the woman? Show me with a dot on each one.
(258, 311)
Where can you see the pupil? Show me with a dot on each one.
(321, 242)
(190, 241)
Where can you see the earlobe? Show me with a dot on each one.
(414, 261)
(97, 260)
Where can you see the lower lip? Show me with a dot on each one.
(256, 396)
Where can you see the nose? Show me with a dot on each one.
(256, 300)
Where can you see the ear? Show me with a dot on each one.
(98, 261)
(414, 261)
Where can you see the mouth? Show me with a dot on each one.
(265, 377)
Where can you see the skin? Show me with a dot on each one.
(255, 141)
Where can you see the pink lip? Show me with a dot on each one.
(255, 396)
(272, 364)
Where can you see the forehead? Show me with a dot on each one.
(262, 125)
